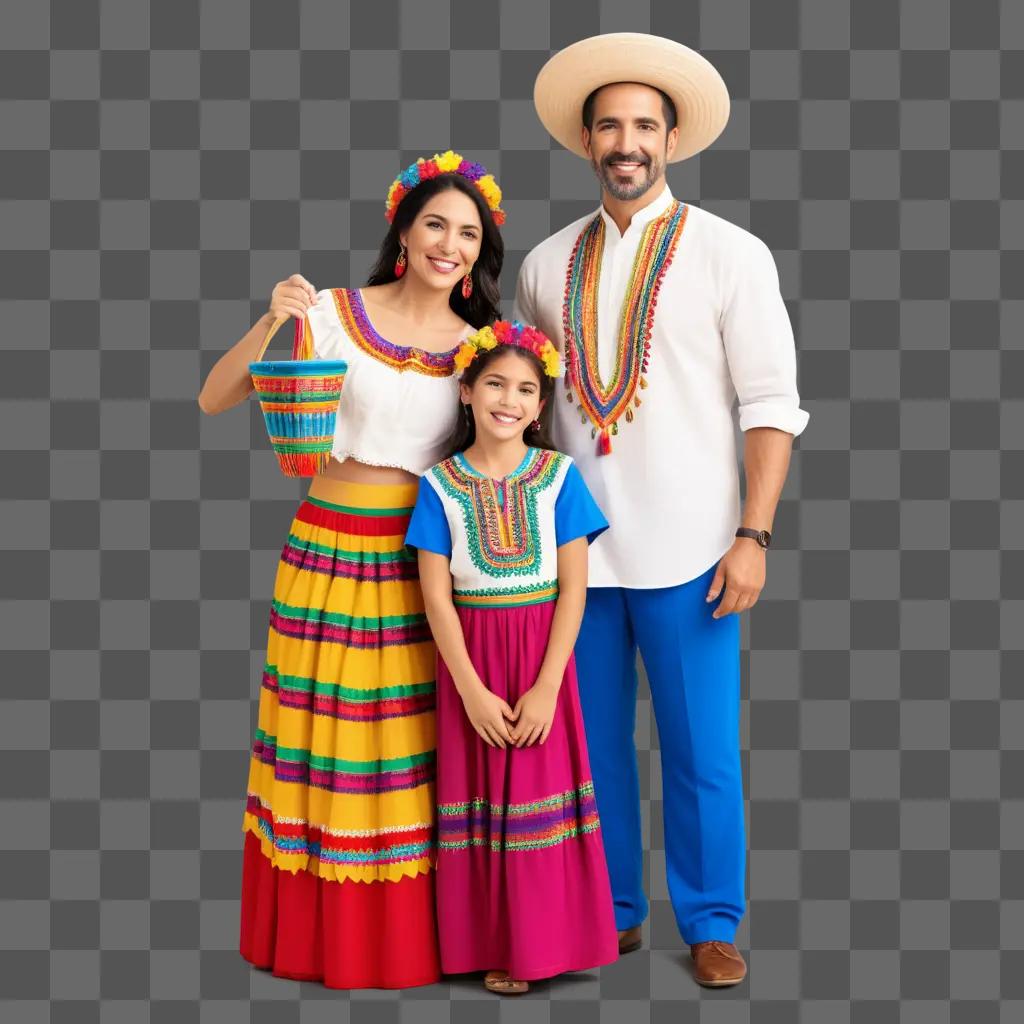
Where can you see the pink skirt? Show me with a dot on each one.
(522, 883)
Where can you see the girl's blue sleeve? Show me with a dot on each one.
(576, 512)
(428, 527)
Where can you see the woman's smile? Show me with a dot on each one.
(442, 266)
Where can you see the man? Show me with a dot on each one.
(666, 315)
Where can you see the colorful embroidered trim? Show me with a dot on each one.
(342, 846)
(351, 630)
(367, 566)
(518, 827)
(297, 764)
(509, 597)
(510, 332)
(352, 314)
(500, 516)
(374, 704)
(445, 163)
(603, 406)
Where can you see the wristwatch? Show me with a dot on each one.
(763, 537)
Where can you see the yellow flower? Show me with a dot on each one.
(448, 161)
(465, 355)
(490, 189)
(552, 364)
(485, 339)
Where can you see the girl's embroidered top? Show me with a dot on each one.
(445, 163)
(502, 536)
(520, 335)
(602, 404)
(399, 403)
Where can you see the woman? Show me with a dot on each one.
(339, 850)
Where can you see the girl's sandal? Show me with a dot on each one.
(500, 983)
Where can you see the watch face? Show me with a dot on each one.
(764, 538)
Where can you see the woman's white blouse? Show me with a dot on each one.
(398, 403)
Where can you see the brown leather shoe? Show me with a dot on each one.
(630, 940)
(717, 964)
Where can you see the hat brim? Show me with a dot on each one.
(691, 81)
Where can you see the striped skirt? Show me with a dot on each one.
(338, 879)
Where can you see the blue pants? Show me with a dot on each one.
(693, 666)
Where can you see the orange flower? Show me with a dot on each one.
(465, 355)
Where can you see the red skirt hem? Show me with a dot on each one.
(346, 935)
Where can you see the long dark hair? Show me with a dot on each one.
(464, 433)
(482, 307)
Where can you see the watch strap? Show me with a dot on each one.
(763, 537)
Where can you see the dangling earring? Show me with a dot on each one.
(467, 286)
(401, 262)
(535, 424)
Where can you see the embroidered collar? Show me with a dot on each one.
(500, 516)
(604, 403)
(514, 475)
(352, 313)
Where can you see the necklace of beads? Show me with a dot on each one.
(604, 405)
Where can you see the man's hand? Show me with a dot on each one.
(741, 571)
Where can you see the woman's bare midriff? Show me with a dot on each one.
(360, 473)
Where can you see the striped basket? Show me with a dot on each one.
(299, 398)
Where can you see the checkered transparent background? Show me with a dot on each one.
(165, 164)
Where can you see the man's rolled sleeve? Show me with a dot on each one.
(759, 344)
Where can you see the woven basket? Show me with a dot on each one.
(299, 398)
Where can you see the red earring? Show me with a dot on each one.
(467, 286)
(401, 262)
(535, 424)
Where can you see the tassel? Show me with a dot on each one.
(643, 382)
(638, 401)
(604, 443)
(629, 415)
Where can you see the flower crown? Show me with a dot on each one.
(505, 332)
(445, 163)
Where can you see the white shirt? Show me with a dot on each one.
(398, 403)
(670, 487)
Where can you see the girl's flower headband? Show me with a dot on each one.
(505, 332)
(445, 163)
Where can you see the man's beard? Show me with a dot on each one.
(651, 167)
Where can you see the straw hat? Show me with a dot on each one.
(700, 95)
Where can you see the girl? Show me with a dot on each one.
(337, 880)
(502, 528)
